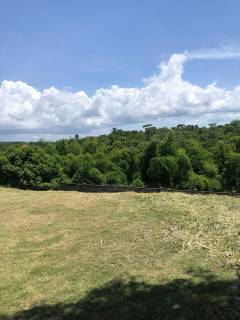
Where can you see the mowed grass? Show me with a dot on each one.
(122, 254)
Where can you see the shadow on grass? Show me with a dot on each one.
(207, 298)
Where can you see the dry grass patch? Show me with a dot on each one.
(57, 246)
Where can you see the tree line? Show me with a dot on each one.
(184, 157)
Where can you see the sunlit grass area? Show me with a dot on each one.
(69, 255)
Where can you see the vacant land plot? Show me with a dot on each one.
(69, 255)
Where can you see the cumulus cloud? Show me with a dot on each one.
(24, 109)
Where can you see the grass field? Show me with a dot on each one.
(69, 255)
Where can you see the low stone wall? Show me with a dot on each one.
(112, 188)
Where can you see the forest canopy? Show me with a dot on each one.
(184, 157)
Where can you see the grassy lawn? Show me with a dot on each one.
(69, 255)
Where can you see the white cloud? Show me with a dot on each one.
(24, 109)
(215, 53)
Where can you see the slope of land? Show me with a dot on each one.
(69, 255)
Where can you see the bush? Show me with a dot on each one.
(137, 183)
(197, 181)
(210, 170)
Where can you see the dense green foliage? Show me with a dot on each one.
(205, 158)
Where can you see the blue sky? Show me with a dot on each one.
(88, 45)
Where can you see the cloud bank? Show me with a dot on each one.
(24, 109)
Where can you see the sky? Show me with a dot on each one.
(84, 67)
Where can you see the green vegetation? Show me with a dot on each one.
(183, 157)
(69, 255)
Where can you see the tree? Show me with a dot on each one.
(231, 172)
(149, 153)
(185, 156)
(236, 143)
(169, 145)
(163, 170)
(184, 168)
(198, 155)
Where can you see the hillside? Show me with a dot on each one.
(183, 157)
(69, 255)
